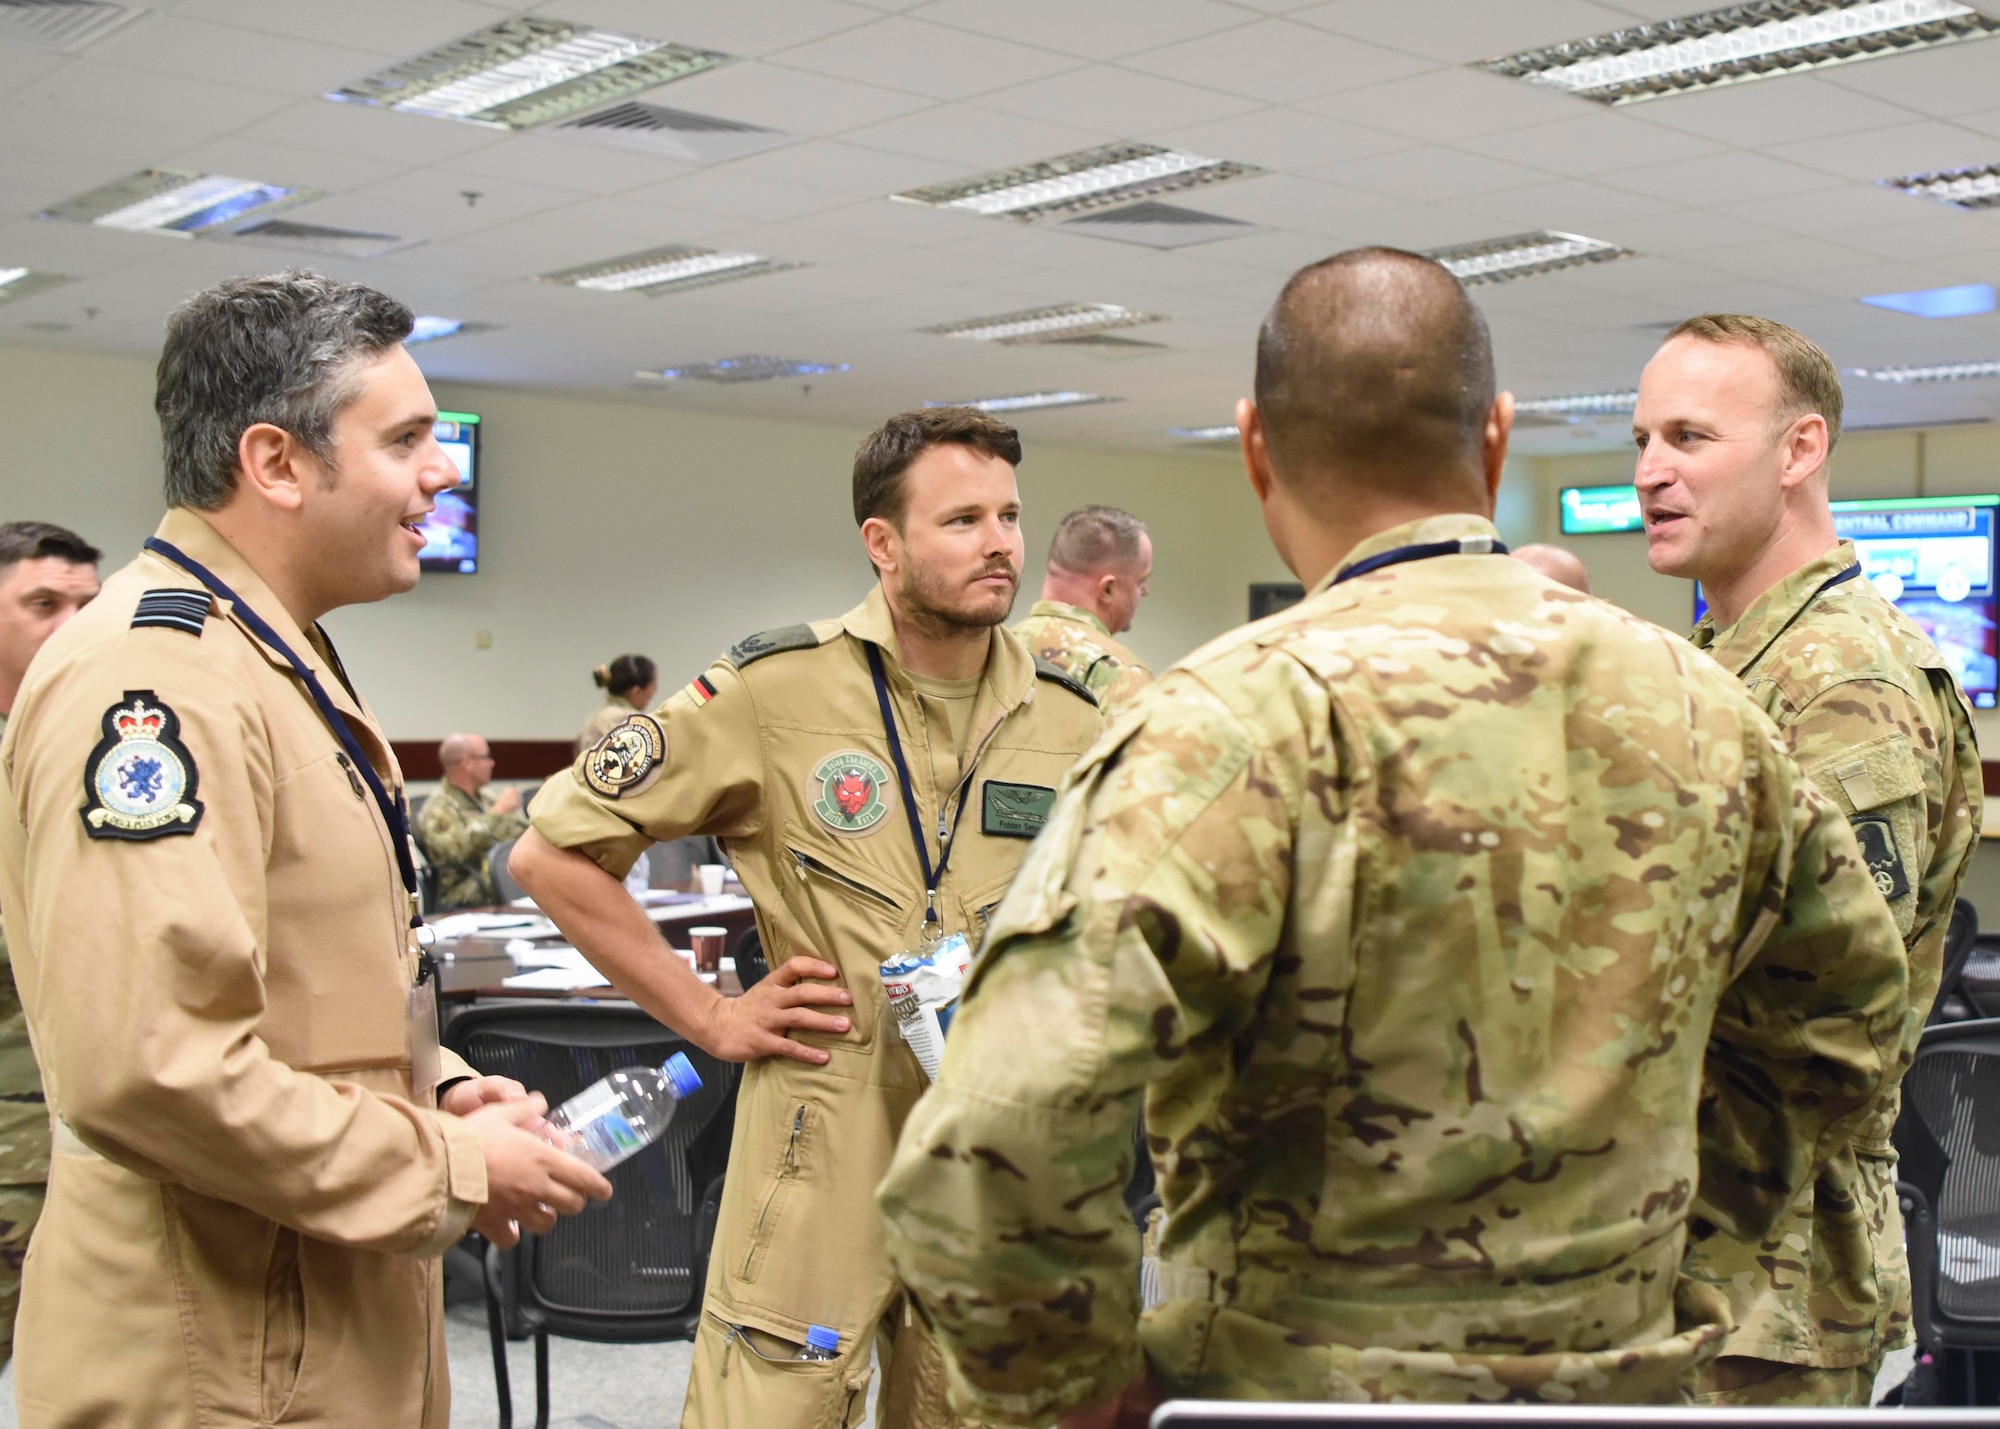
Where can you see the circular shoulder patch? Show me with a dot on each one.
(627, 759)
(848, 792)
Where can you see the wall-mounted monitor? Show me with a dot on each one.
(451, 532)
(1600, 510)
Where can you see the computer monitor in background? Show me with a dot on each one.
(451, 532)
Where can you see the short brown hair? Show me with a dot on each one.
(1096, 538)
(39, 540)
(1807, 380)
(886, 453)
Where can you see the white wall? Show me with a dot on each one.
(609, 526)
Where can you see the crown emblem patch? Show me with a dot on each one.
(139, 782)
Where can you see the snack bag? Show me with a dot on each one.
(923, 990)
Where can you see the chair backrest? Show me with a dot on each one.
(1948, 1139)
(1960, 936)
(505, 889)
(632, 1268)
(752, 967)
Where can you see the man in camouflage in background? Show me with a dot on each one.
(460, 823)
(1415, 913)
(47, 574)
(1736, 420)
(1099, 564)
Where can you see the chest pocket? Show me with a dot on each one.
(1869, 776)
(854, 917)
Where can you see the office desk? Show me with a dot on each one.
(476, 967)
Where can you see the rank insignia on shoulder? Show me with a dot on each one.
(139, 782)
(174, 608)
(700, 690)
(772, 642)
(626, 760)
(1882, 854)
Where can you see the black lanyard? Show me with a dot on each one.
(392, 809)
(1465, 546)
(932, 877)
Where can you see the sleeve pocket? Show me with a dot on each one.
(1882, 771)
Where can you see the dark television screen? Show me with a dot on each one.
(451, 532)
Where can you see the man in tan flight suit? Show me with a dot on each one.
(460, 823)
(210, 898)
(1099, 564)
(1737, 418)
(856, 838)
(47, 574)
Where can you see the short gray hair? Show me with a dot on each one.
(1096, 538)
(268, 349)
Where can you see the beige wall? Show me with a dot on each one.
(611, 526)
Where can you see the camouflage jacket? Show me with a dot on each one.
(1414, 913)
(1075, 641)
(24, 1115)
(1872, 713)
(456, 831)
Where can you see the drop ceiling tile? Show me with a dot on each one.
(1569, 206)
(119, 92)
(974, 138)
(1429, 175)
(1967, 247)
(1277, 60)
(909, 55)
(848, 169)
(390, 28)
(1449, 104)
(1752, 116)
(370, 133)
(1680, 232)
(567, 162)
(102, 147)
(194, 49)
(1787, 260)
(1117, 101)
(1722, 178)
(1887, 153)
(1828, 212)
(753, 30)
(431, 204)
(1095, 32)
(722, 190)
(1462, 31)
(1283, 201)
(1953, 79)
(1986, 121)
(791, 100)
(20, 65)
(280, 163)
(1284, 139)
(1598, 141)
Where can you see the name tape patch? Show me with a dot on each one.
(1014, 811)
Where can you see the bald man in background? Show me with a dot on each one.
(460, 823)
(1559, 565)
(1099, 564)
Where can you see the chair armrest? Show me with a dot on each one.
(1920, 1239)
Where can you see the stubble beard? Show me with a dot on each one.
(926, 602)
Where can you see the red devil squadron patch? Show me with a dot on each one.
(847, 792)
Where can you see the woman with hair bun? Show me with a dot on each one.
(629, 683)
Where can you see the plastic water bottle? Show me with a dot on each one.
(821, 1344)
(624, 1113)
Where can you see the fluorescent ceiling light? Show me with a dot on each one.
(435, 329)
(675, 268)
(1962, 188)
(1075, 183)
(1942, 372)
(1964, 301)
(1580, 404)
(1026, 401)
(174, 201)
(1225, 433)
(527, 71)
(1741, 42)
(742, 369)
(1523, 255)
(1054, 324)
(23, 282)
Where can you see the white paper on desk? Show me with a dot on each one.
(492, 925)
(523, 902)
(558, 979)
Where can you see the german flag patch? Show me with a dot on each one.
(701, 691)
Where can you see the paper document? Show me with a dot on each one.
(492, 925)
(558, 979)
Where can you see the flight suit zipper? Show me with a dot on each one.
(353, 778)
(809, 866)
(787, 1171)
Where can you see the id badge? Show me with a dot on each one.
(426, 1064)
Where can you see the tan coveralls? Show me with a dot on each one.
(245, 1202)
(760, 752)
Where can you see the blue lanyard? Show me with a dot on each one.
(392, 809)
(1465, 546)
(932, 877)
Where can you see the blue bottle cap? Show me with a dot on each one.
(819, 1337)
(682, 1076)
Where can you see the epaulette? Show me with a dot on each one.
(772, 642)
(1062, 677)
(175, 607)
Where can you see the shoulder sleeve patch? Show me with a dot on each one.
(1069, 682)
(627, 760)
(174, 608)
(772, 642)
(139, 782)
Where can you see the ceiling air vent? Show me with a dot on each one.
(318, 238)
(1158, 225)
(59, 24)
(656, 129)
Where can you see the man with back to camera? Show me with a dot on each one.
(875, 780)
(1099, 564)
(1558, 564)
(47, 574)
(255, 1170)
(1736, 420)
(1414, 912)
(460, 823)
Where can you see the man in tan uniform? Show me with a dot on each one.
(1414, 913)
(47, 574)
(210, 898)
(460, 823)
(875, 780)
(1099, 564)
(1736, 421)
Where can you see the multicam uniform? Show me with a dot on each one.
(1414, 913)
(1874, 717)
(24, 1140)
(1076, 642)
(779, 750)
(456, 831)
(609, 715)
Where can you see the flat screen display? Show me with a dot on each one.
(451, 532)
(1600, 510)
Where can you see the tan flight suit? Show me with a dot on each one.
(246, 1203)
(779, 751)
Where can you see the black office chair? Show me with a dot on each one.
(505, 889)
(1961, 935)
(630, 1271)
(1948, 1142)
(751, 965)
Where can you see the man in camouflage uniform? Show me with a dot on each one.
(1099, 564)
(1415, 913)
(47, 574)
(460, 823)
(1736, 420)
